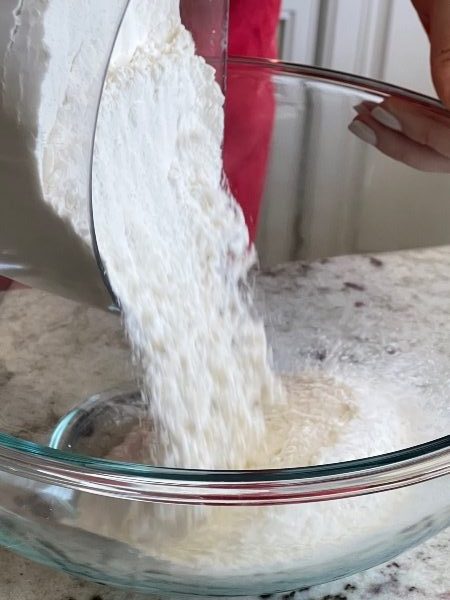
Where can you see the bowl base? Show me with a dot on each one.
(113, 424)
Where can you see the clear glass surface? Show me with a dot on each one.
(355, 258)
(37, 245)
(207, 20)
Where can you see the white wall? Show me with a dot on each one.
(299, 31)
(374, 38)
(407, 51)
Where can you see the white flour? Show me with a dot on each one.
(322, 420)
(176, 250)
(175, 247)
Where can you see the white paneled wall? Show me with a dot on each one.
(299, 22)
(352, 35)
(407, 52)
(382, 39)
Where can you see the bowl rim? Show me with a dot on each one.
(145, 483)
(337, 77)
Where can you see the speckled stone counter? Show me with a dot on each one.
(55, 353)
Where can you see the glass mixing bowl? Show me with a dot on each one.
(354, 244)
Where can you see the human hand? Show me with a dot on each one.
(412, 133)
(435, 17)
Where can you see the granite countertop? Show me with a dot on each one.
(55, 353)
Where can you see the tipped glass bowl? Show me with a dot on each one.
(362, 234)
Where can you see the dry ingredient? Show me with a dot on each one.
(176, 249)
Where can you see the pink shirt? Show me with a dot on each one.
(250, 104)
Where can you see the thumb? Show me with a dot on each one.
(440, 48)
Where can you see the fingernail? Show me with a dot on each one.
(364, 107)
(363, 132)
(386, 118)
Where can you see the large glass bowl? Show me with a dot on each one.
(367, 297)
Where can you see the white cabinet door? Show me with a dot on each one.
(298, 30)
(352, 35)
(407, 50)
(278, 232)
(382, 39)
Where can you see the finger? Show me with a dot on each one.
(423, 10)
(440, 48)
(421, 124)
(366, 106)
(395, 145)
